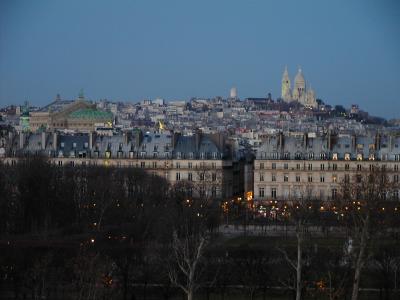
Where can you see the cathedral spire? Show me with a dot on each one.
(286, 93)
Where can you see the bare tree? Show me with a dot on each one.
(185, 267)
(365, 204)
(301, 211)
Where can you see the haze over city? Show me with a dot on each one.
(134, 50)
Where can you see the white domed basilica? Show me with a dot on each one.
(301, 93)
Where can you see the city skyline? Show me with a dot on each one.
(177, 50)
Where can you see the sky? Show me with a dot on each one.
(349, 50)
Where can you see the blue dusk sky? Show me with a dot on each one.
(130, 50)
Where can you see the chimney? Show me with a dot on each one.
(55, 140)
(10, 138)
(390, 142)
(329, 140)
(90, 140)
(138, 138)
(305, 140)
(353, 142)
(198, 138)
(43, 140)
(377, 141)
(175, 137)
(219, 140)
(281, 140)
(126, 138)
(21, 140)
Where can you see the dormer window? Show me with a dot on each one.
(62, 144)
(311, 155)
(73, 145)
(215, 155)
(191, 155)
(85, 145)
(359, 156)
(347, 156)
(371, 157)
(202, 155)
(178, 155)
(335, 156)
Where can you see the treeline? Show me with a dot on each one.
(121, 233)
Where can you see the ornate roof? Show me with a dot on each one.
(92, 114)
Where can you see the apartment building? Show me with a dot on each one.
(289, 167)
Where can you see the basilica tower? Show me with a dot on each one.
(286, 93)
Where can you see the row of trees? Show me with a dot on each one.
(91, 232)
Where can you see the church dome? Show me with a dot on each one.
(299, 79)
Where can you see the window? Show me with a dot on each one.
(335, 156)
(359, 167)
(154, 164)
(74, 145)
(178, 165)
(178, 155)
(201, 176)
(286, 155)
(311, 155)
(321, 178)
(213, 165)
(214, 191)
(62, 144)
(334, 193)
(309, 178)
(261, 165)
(346, 178)
(142, 164)
(396, 178)
(190, 165)
(322, 166)
(273, 177)
(214, 176)
(273, 193)
(261, 192)
(359, 156)
(178, 176)
(285, 177)
(297, 178)
(334, 167)
(347, 167)
(285, 166)
(397, 157)
(347, 156)
(309, 167)
(190, 176)
(261, 176)
(396, 167)
(334, 178)
(273, 166)
(297, 166)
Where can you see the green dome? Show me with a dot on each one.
(92, 114)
